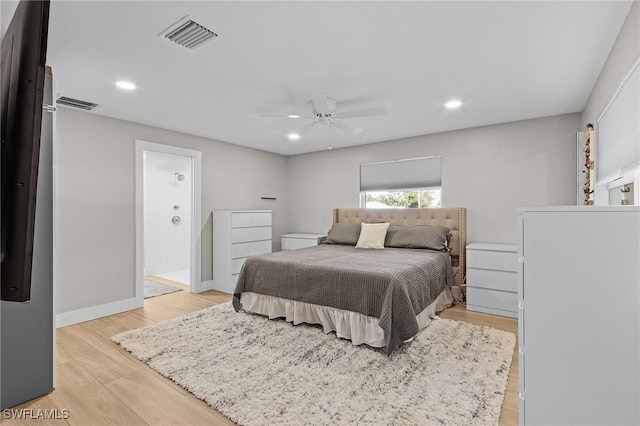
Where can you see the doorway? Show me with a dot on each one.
(167, 218)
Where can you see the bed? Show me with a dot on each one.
(381, 298)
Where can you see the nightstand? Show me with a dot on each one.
(296, 241)
(492, 278)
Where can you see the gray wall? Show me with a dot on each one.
(622, 55)
(95, 204)
(490, 170)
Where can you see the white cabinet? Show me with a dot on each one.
(492, 278)
(296, 241)
(579, 315)
(237, 234)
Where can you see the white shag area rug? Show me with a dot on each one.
(258, 371)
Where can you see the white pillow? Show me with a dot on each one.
(372, 235)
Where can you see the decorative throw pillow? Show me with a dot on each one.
(418, 237)
(372, 235)
(343, 233)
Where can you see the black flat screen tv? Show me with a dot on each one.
(22, 74)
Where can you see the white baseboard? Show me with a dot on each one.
(93, 312)
(206, 286)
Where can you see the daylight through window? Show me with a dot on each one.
(409, 183)
(409, 198)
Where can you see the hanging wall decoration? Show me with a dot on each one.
(588, 167)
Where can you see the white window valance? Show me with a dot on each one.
(424, 172)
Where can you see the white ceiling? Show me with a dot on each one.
(505, 60)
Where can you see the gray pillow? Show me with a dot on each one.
(418, 237)
(344, 233)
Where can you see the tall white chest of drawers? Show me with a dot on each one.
(579, 315)
(237, 234)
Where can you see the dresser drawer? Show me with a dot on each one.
(236, 265)
(234, 281)
(297, 241)
(262, 219)
(492, 299)
(248, 219)
(493, 280)
(228, 285)
(239, 250)
(497, 260)
(244, 235)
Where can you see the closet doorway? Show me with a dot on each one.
(167, 220)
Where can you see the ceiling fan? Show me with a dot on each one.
(325, 111)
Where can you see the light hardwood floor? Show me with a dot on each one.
(101, 384)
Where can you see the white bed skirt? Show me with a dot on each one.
(358, 328)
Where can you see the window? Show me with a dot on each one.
(410, 183)
(408, 198)
(618, 132)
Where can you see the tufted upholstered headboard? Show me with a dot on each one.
(454, 218)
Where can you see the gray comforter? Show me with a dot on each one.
(393, 285)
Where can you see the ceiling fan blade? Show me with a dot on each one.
(320, 103)
(287, 116)
(345, 126)
(306, 127)
(365, 112)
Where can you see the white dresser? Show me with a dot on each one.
(579, 315)
(237, 234)
(296, 241)
(492, 278)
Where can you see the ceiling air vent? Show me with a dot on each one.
(188, 33)
(76, 103)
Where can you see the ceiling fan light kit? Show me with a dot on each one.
(325, 111)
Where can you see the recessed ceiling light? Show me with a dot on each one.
(125, 85)
(293, 116)
(453, 104)
(294, 136)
